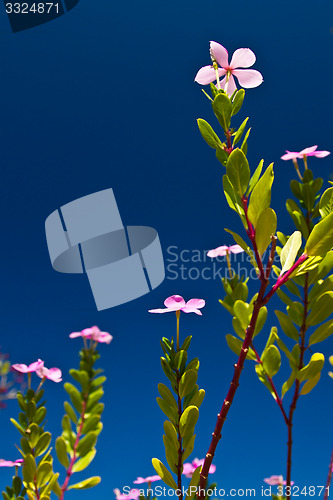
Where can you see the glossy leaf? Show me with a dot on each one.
(321, 309)
(188, 420)
(61, 451)
(271, 360)
(313, 369)
(164, 474)
(266, 227)
(287, 325)
(288, 384)
(255, 177)
(322, 333)
(84, 462)
(261, 195)
(262, 377)
(238, 101)
(262, 316)
(326, 203)
(290, 251)
(86, 444)
(87, 483)
(167, 395)
(321, 238)
(209, 135)
(222, 108)
(187, 382)
(242, 312)
(42, 444)
(239, 133)
(310, 384)
(238, 171)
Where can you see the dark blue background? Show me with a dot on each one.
(104, 97)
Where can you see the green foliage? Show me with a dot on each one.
(290, 250)
(238, 171)
(261, 195)
(181, 407)
(266, 227)
(222, 108)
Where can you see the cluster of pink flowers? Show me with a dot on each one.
(9, 463)
(224, 250)
(93, 333)
(41, 371)
(312, 151)
(277, 481)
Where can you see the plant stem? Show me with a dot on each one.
(221, 417)
(329, 478)
(74, 457)
(297, 385)
(180, 449)
(269, 379)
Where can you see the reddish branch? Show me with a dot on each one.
(329, 479)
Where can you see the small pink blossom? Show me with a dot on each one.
(189, 468)
(292, 155)
(149, 479)
(242, 58)
(30, 368)
(93, 333)
(132, 495)
(9, 463)
(276, 481)
(53, 374)
(222, 251)
(177, 303)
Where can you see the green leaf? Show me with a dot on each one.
(169, 411)
(288, 384)
(42, 444)
(167, 395)
(164, 474)
(208, 134)
(287, 325)
(238, 171)
(239, 133)
(188, 420)
(262, 316)
(261, 195)
(87, 483)
(266, 227)
(321, 287)
(255, 177)
(187, 382)
(321, 309)
(263, 379)
(61, 451)
(290, 251)
(238, 101)
(70, 412)
(236, 346)
(243, 245)
(94, 397)
(233, 199)
(86, 444)
(244, 143)
(91, 424)
(313, 369)
(189, 448)
(322, 333)
(75, 396)
(171, 433)
(193, 486)
(222, 108)
(29, 468)
(271, 360)
(171, 454)
(310, 384)
(242, 312)
(326, 203)
(297, 216)
(84, 462)
(180, 360)
(222, 156)
(44, 473)
(321, 238)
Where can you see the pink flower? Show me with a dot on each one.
(132, 495)
(28, 369)
(177, 303)
(9, 463)
(222, 251)
(188, 468)
(149, 479)
(53, 374)
(291, 155)
(276, 481)
(93, 333)
(242, 58)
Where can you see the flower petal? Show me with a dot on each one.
(231, 85)
(307, 151)
(236, 249)
(207, 75)
(290, 155)
(218, 252)
(175, 302)
(196, 303)
(242, 58)
(320, 154)
(160, 311)
(248, 78)
(19, 367)
(220, 53)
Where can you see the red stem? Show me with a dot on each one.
(180, 450)
(281, 281)
(297, 385)
(329, 478)
(74, 457)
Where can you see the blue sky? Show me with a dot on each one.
(105, 97)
